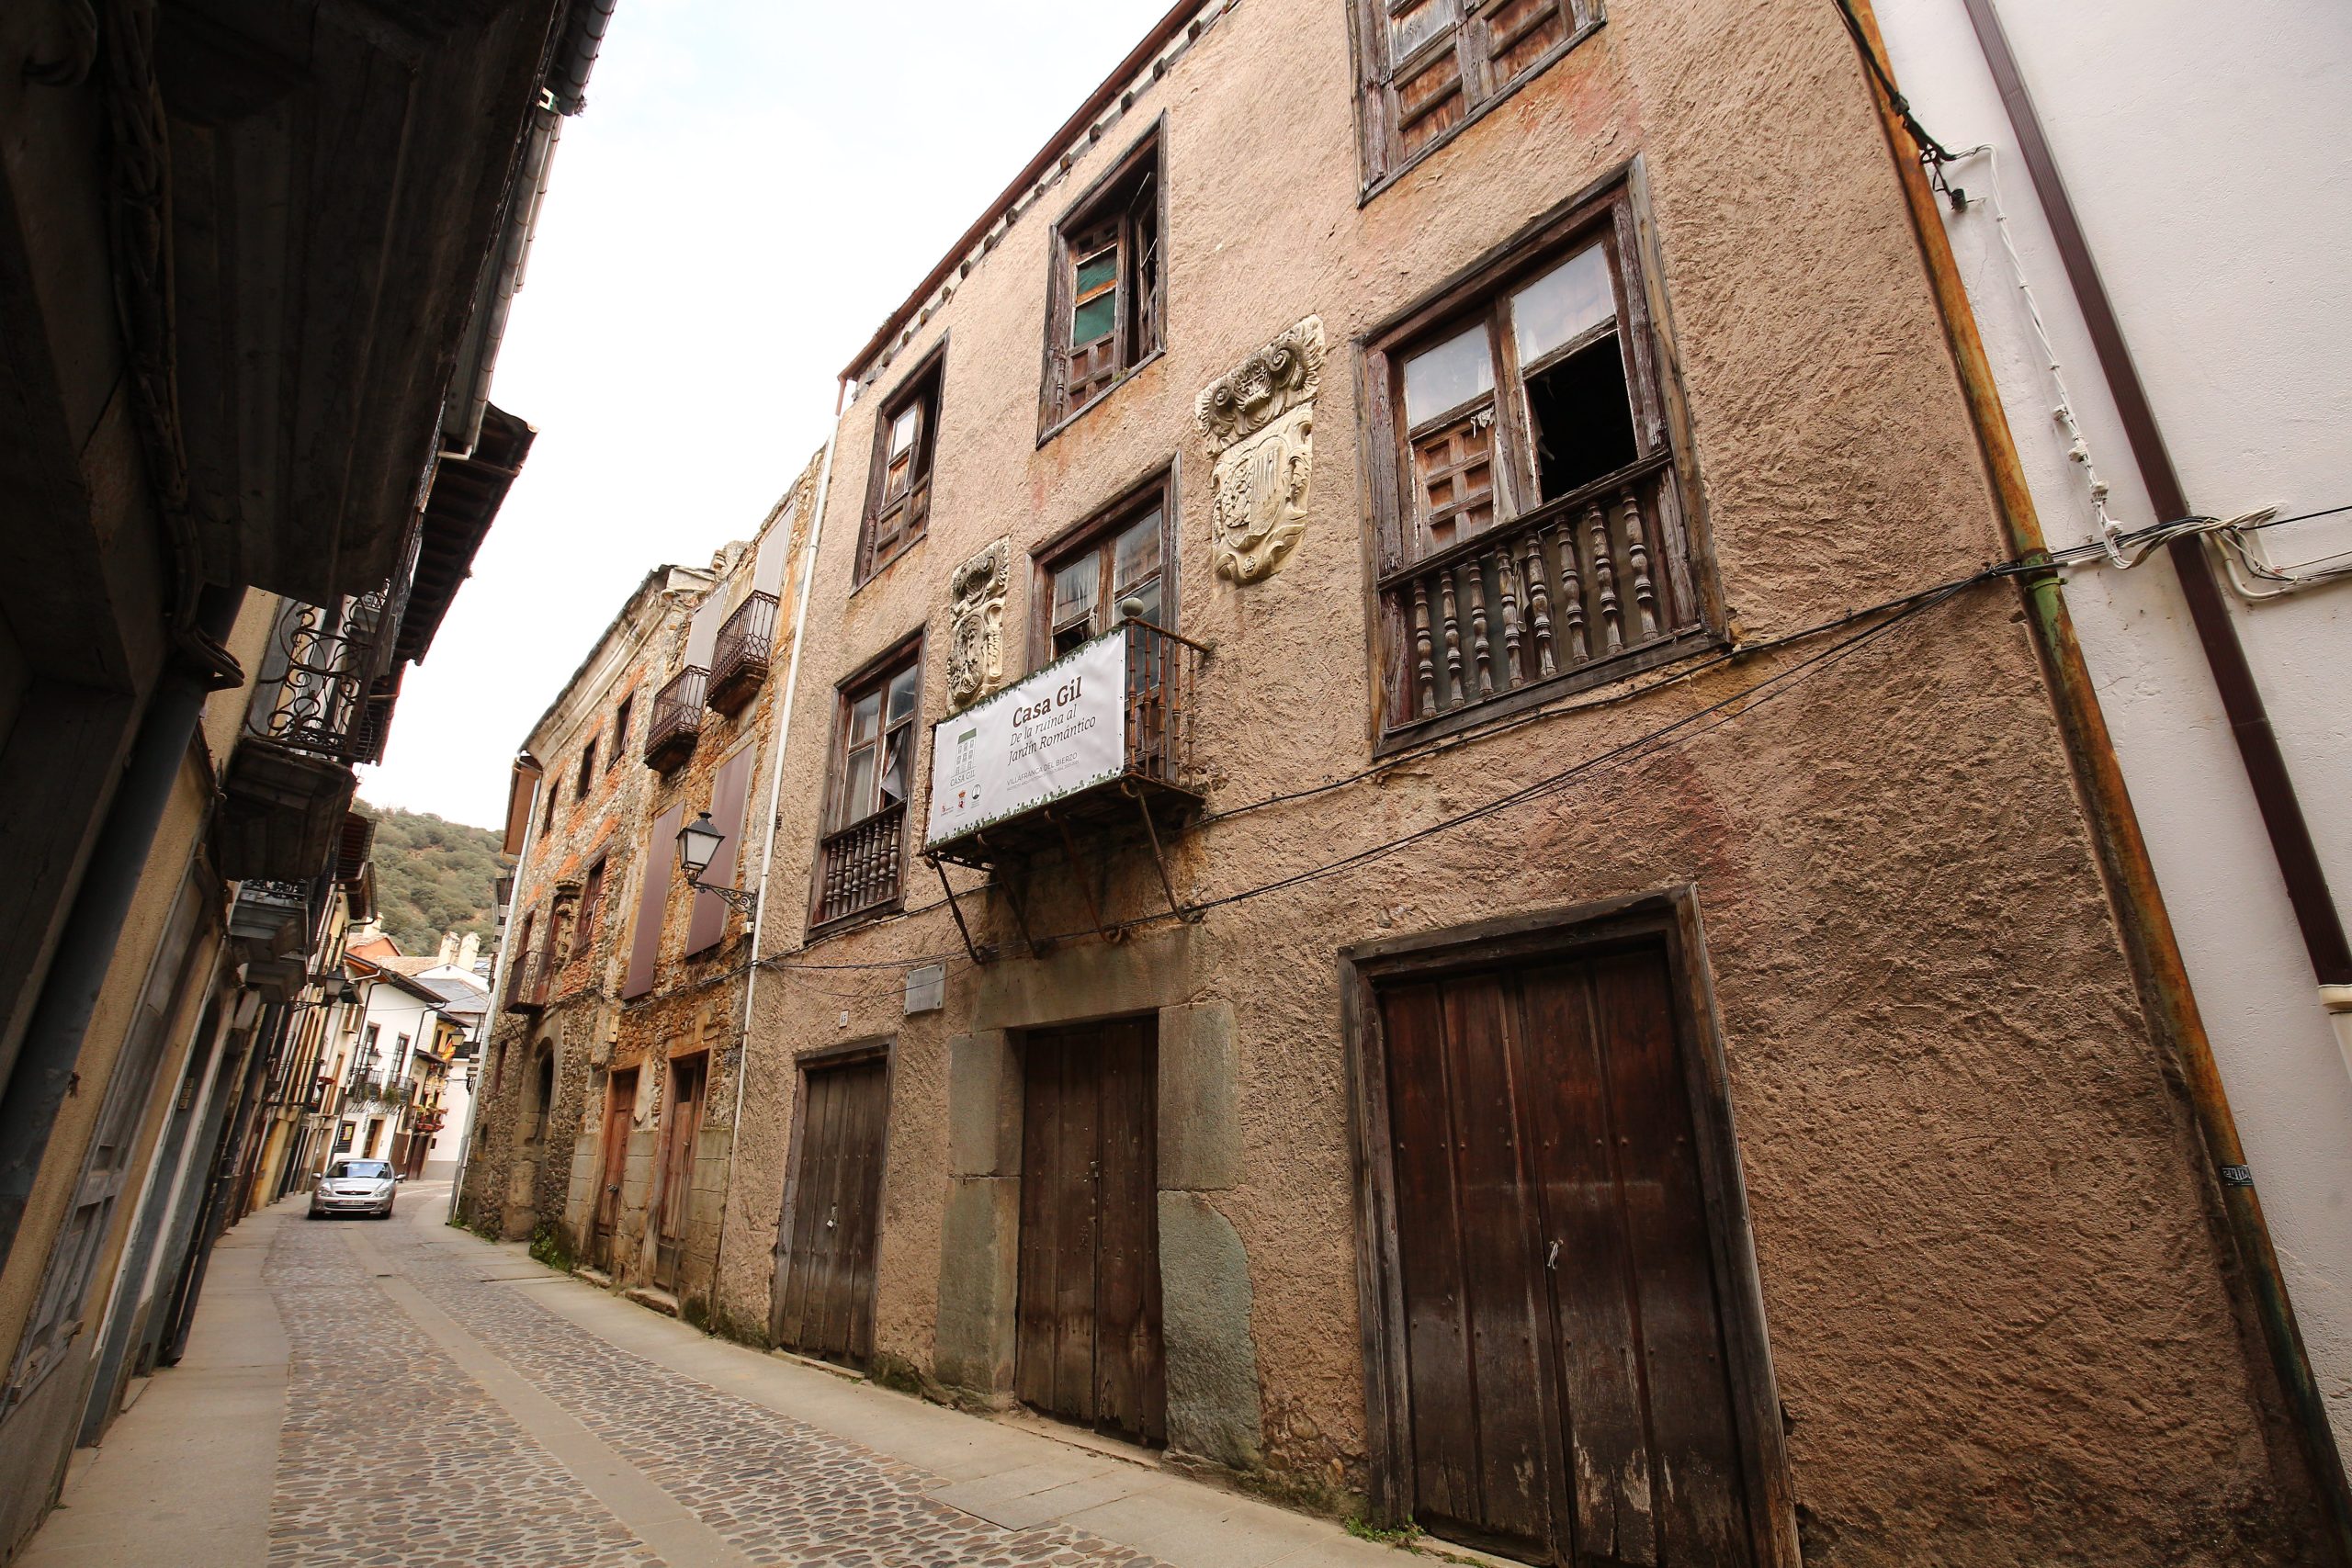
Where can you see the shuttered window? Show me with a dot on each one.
(1105, 297)
(727, 789)
(653, 900)
(1428, 66)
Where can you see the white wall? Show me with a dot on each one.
(2206, 154)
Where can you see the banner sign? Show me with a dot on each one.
(1040, 739)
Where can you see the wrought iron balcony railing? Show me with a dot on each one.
(738, 659)
(328, 678)
(676, 720)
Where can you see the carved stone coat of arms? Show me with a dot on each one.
(1259, 421)
(976, 623)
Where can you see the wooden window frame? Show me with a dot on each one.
(1670, 917)
(1614, 210)
(1093, 532)
(553, 778)
(891, 528)
(1385, 160)
(877, 670)
(1108, 199)
(587, 769)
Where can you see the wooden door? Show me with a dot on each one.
(825, 1290)
(1567, 1363)
(682, 1124)
(1088, 1345)
(620, 1109)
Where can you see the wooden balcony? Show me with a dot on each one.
(1582, 585)
(861, 865)
(1153, 791)
(738, 659)
(676, 721)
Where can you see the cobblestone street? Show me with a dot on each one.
(446, 1403)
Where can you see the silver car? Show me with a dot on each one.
(355, 1186)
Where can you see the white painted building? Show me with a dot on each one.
(2204, 153)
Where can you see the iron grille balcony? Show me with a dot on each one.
(738, 659)
(1154, 777)
(1574, 585)
(676, 722)
(861, 864)
(328, 678)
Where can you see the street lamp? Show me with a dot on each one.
(699, 844)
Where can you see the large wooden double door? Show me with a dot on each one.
(1570, 1367)
(824, 1303)
(1088, 1343)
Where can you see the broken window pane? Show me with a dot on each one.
(903, 691)
(1570, 299)
(893, 767)
(903, 429)
(1448, 376)
(1581, 418)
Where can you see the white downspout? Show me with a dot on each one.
(768, 849)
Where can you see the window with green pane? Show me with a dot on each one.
(1104, 313)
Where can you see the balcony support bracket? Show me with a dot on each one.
(981, 954)
(1085, 884)
(1176, 907)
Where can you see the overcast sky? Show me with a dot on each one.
(754, 184)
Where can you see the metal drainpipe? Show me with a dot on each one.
(2150, 944)
(767, 851)
(2258, 744)
(44, 1073)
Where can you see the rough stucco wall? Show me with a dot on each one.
(1996, 1311)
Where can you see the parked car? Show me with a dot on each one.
(355, 1186)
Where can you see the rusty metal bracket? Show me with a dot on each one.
(1085, 885)
(1000, 876)
(981, 954)
(1176, 907)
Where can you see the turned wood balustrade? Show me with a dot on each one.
(862, 865)
(1574, 583)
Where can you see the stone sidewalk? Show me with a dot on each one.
(407, 1394)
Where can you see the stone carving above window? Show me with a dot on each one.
(976, 623)
(1258, 422)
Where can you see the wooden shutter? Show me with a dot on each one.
(652, 898)
(702, 634)
(726, 792)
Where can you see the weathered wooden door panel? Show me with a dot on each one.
(825, 1301)
(620, 1109)
(1088, 1320)
(682, 1127)
(1565, 1359)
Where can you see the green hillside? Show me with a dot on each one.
(433, 877)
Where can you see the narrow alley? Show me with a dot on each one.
(360, 1394)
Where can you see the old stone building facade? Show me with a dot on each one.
(1542, 949)
(605, 1116)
